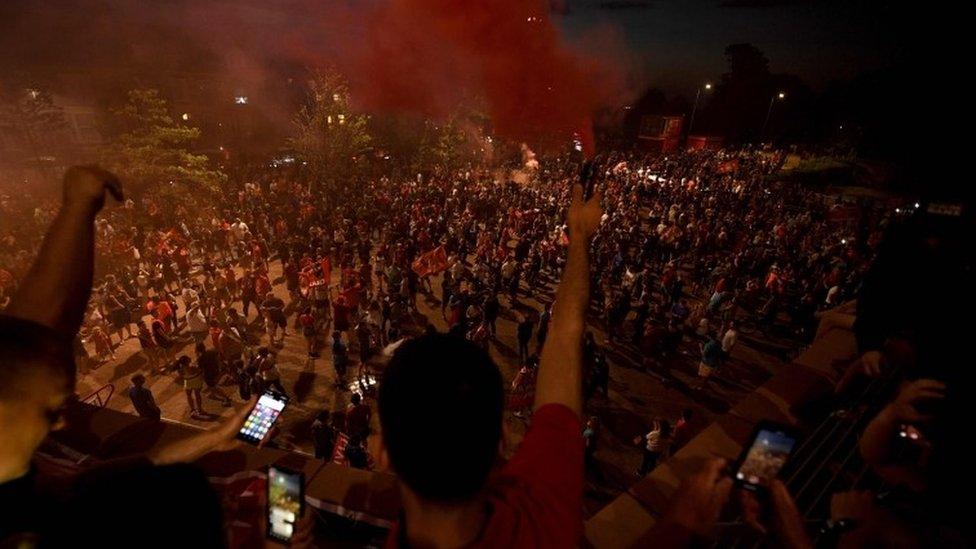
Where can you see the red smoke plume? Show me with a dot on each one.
(402, 56)
(425, 56)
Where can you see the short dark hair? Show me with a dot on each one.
(440, 407)
(27, 346)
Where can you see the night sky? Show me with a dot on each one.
(676, 44)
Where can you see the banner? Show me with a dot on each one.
(432, 262)
(729, 166)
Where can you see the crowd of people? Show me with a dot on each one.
(690, 242)
(677, 247)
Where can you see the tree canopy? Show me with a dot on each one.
(152, 149)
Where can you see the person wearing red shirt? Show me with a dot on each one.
(262, 284)
(440, 407)
(163, 311)
(358, 415)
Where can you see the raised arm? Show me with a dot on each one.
(56, 289)
(561, 367)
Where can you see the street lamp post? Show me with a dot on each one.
(769, 111)
(694, 109)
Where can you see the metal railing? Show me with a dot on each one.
(100, 397)
(826, 462)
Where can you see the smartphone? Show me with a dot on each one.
(285, 502)
(765, 455)
(262, 417)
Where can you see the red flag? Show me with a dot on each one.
(163, 245)
(729, 166)
(339, 452)
(431, 262)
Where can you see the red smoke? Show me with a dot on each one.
(402, 56)
(425, 56)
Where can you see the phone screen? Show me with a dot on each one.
(285, 502)
(262, 417)
(768, 454)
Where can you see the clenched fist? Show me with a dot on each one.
(85, 186)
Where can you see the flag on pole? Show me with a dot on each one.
(431, 262)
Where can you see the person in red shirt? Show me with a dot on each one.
(163, 312)
(358, 416)
(440, 407)
(262, 284)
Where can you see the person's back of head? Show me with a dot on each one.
(665, 427)
(37, 376)
(323, 417)
(440, 407)
(28, 348)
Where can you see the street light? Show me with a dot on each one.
(691, 123)
(780, 96)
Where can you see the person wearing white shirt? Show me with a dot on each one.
(196, 322)
(189, 295)
(239, 229)
(656, 444)
(729, 339)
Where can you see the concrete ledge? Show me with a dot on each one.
(760, 405)
(833, 349)
(353, 493)
(622, 523)
(723, 438)
(626, 521)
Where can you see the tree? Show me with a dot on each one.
(328, 136)
(748, 93)
(35, 122)
(152, 149)
(443, 144)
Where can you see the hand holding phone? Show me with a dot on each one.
(767, 452)
(262, 417)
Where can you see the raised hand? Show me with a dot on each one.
(584, 216)
(86, 185)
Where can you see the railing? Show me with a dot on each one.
(828, 461)
(99, 398)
